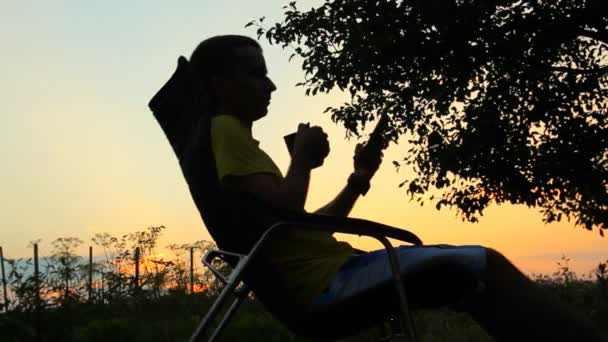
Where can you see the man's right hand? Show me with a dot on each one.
(311, 146)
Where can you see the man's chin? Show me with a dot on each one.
(259, 115)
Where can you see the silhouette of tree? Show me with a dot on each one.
(63, 268)
(180, 266)
(502, 101)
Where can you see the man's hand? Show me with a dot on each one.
(310, 147)
(367, 160)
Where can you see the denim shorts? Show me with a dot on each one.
(433, 275)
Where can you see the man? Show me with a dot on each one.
(312, 267)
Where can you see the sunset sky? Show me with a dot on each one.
(82, 154)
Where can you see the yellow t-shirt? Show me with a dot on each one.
(306, 260)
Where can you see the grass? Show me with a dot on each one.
(157, 307)
(173, 317)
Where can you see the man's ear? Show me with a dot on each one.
(219, 84)
(215, 86)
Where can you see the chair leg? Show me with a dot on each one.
(241, 294)
(390, 331)
(405, 321)
(385, 332)
(213, 311)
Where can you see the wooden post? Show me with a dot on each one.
(137, 269)
(36, 277)
(102, 294)
(191, 270)
(3, 281)
(90, 274)
(37, 288)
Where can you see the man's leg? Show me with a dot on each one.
(514, 308)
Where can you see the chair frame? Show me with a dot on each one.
(360, 227)
(181, 109)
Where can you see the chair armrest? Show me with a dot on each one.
(381, 232)
(229, 257)
(349, 225)
(359, 251)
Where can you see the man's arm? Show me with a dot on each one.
(367, 160)
(310, 149)
(289, 192)
(345, 200)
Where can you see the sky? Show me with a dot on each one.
(82, 154)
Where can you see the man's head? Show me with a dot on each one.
(233, 71)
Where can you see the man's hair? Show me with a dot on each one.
(217, 55)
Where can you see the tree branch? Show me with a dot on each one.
(602, 36)
(582, 71)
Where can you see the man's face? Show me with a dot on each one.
(247, 92)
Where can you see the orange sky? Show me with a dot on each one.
(82, 154)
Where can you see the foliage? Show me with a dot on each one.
(63, 279)
(173, 313)
(115, 280)
(23, 285)
(174, 316)
(157, 274)
(65, 271)
(589, 296)
(501, 100)
(179, 272)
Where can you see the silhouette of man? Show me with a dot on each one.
(313, 268)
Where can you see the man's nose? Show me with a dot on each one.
(271, 86)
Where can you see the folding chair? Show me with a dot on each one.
(180, 109)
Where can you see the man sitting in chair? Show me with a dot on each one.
(315, 268)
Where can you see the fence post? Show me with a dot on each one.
(191, 270)
(137, 269)
(36, 278)
(102, 294)
(90, 274)
(37, 288)
(3, 281)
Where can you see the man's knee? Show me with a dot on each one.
(500, 269)
(494, 257)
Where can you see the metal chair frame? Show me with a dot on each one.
(240, 292)
(182, 111)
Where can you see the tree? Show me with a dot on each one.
(63, 266)
(502, 101)
(204, 279)
(119, 266)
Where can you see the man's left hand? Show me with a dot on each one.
(367, 160)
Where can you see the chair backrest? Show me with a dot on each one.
(181, 110)
(235, 221)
